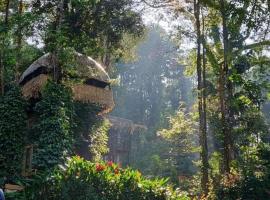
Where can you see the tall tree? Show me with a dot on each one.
(3, 32)
(151, 89)
(185, 8)
(224, 93)
(19, 40)
(201, 103)
(95, 28)
(229, 43)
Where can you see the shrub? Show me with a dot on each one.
(99, 139)
(12, 132)
(253, 183)
(91, 127)
(54, 127)
(83, 180)
(248, 188)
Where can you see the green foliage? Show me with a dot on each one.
(107, 23)
(92, 127)
(95, 28)
(181, 129)
(99, 138)
(85, 180)
(15, 28)
(149, 91)
(254, 183)
(181, 141)
(12, 132)
(52, 133)
(7, 56)
(28, 53)
(85, 118)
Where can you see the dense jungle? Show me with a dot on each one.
(134, 100)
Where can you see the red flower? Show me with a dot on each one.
(116, 171)
(110, 163)
(99, 167)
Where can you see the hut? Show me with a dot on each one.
(90, 84)
(123, 140)
(95, 87)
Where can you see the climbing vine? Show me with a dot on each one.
(54, 126)
(99, 138)
(93, 128)
(12, 132)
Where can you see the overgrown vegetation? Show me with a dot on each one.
(212, 143)
(53, 136)
(92, 127)
(13, 130)
(150, 90)
(100, 181)
(228, 60)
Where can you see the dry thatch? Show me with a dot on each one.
(33, 79)
(33, 87)
(90, 94)
(81, 92)
(120, 123)
(44, 61)
(85, 66)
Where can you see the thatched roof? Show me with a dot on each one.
(86, 67)
(118, 123)
(37, 74)
(33, 87)
(91, 94)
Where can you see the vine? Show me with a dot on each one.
(54, 126)
(99, 138)
(12, 132)
(93, 128)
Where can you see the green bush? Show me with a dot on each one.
(99, 139)
(53, 130)
(12, 132)
(253, 183)
(247, 188)
(92, 127)
(83, 180)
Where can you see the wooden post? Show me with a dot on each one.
(27, 160)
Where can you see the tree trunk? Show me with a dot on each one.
(224, 95)
(202, 120)
(2, 73)
(2, 67)
(7, 12)
(57, 70)
(19, 43)
(205, 163)
(106, 58)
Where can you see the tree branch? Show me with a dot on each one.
(252, 46)
(158, 4)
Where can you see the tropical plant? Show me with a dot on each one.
(13, 132)
(52, 133)
(82, 179)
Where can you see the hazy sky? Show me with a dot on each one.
(171, 25)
